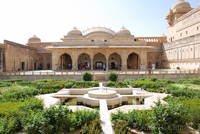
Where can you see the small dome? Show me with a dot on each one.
(74, 33)
(169, 12)
(181, 6)
(34, 39)
(123, 32)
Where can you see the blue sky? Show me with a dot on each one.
(52, 19)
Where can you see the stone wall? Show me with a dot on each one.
(186, 26)
(2, 58)
(155, 58)
(183, 53)
(19, 57)
(101, 77)
(44, 61)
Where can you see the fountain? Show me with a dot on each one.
(92, 97)
(114, 97)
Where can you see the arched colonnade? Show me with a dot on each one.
(98, 61)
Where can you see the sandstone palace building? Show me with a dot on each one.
(102, 48)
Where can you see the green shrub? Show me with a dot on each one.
(136, 119)
(50, 121)
(5, 84)
(131, 82)
(163, 82)
(79, 118)
(69, 84)
(121, 127)
(9, 125)
(9, 108)
(87, 76)
(177, 92)
(195, 81)
(155, 90)
(182, 81)
(117, 84)
(170, 118)
(154, 79)
(92, 127)
(25, 83)
(147, 84)
(113, 76)
(47, 91)
(14, 80)
(17, 93)
(193, 106)
(85, 84)
(32, 105)
(50, 85)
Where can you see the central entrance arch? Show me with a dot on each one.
(133, 61)
(114, 61)
(99, 61)
(65, 62)
(84, 61)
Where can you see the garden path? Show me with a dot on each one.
(49, 100)
(104, 115)
(105, 118)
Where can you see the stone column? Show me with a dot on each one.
(74, 57)
(92, 66)
(143, 58)
(107, 60)
(55, 58)
(124, 57)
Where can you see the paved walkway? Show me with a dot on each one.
(49, 100)
(105, 118)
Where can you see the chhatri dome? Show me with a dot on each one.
(34, 39)
(74, 33)
(181, 7)
(123, 32)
